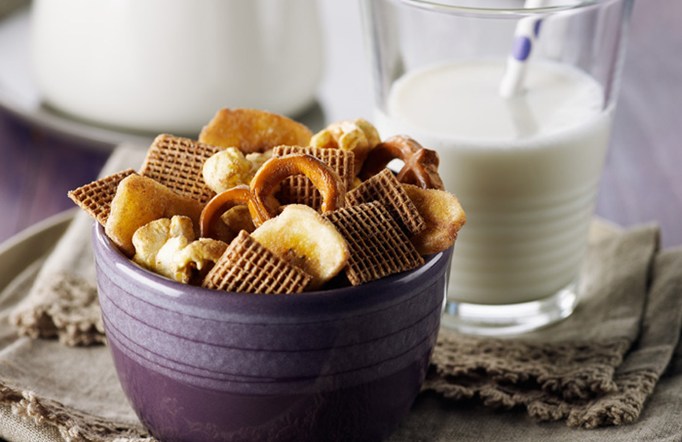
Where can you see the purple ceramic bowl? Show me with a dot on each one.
(202, 365)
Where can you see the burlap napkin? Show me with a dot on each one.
(596, 369)
(652, 363)
(63, 301)
(568, 371)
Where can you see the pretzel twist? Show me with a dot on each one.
(219, 204)
(265, 183)
(420, 164)
(259, 196)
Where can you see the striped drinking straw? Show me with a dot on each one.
(527, 32)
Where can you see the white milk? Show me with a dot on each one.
(526, 171)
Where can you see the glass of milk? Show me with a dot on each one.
(525, 166)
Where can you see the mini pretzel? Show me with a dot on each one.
(421, 164)
(264, 205)
(219, 204)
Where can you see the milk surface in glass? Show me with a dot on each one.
(525, 169)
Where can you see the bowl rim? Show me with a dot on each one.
(374, 294)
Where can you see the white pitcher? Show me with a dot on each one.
(168, 65)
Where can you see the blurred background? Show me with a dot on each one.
(45, 152)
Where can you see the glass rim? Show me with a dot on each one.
(441, 6)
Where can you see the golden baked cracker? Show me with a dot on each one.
(235, 220)
(378, 247)
(302, 237)
(298, 189)
(169, 247)
(95, 197)
(227, 169)
(384, 187)
(248, 267)
(177, 163)
(358, 136)
(139, 200)
(443, 215)
(252, 130)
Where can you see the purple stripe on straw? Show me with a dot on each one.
(522, 47)
(536, 28)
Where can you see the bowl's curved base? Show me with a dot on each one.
(365, 412)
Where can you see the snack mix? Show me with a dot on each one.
(260, 204)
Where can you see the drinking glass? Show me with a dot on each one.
(518, 99)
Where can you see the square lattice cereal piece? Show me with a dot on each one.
(95, 198)
(385, 188)
(177, 163)
(298, 189)
(248, 267)
(378, 247)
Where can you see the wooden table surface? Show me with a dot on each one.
(642, 180)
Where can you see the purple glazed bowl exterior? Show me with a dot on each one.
(202, 365)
